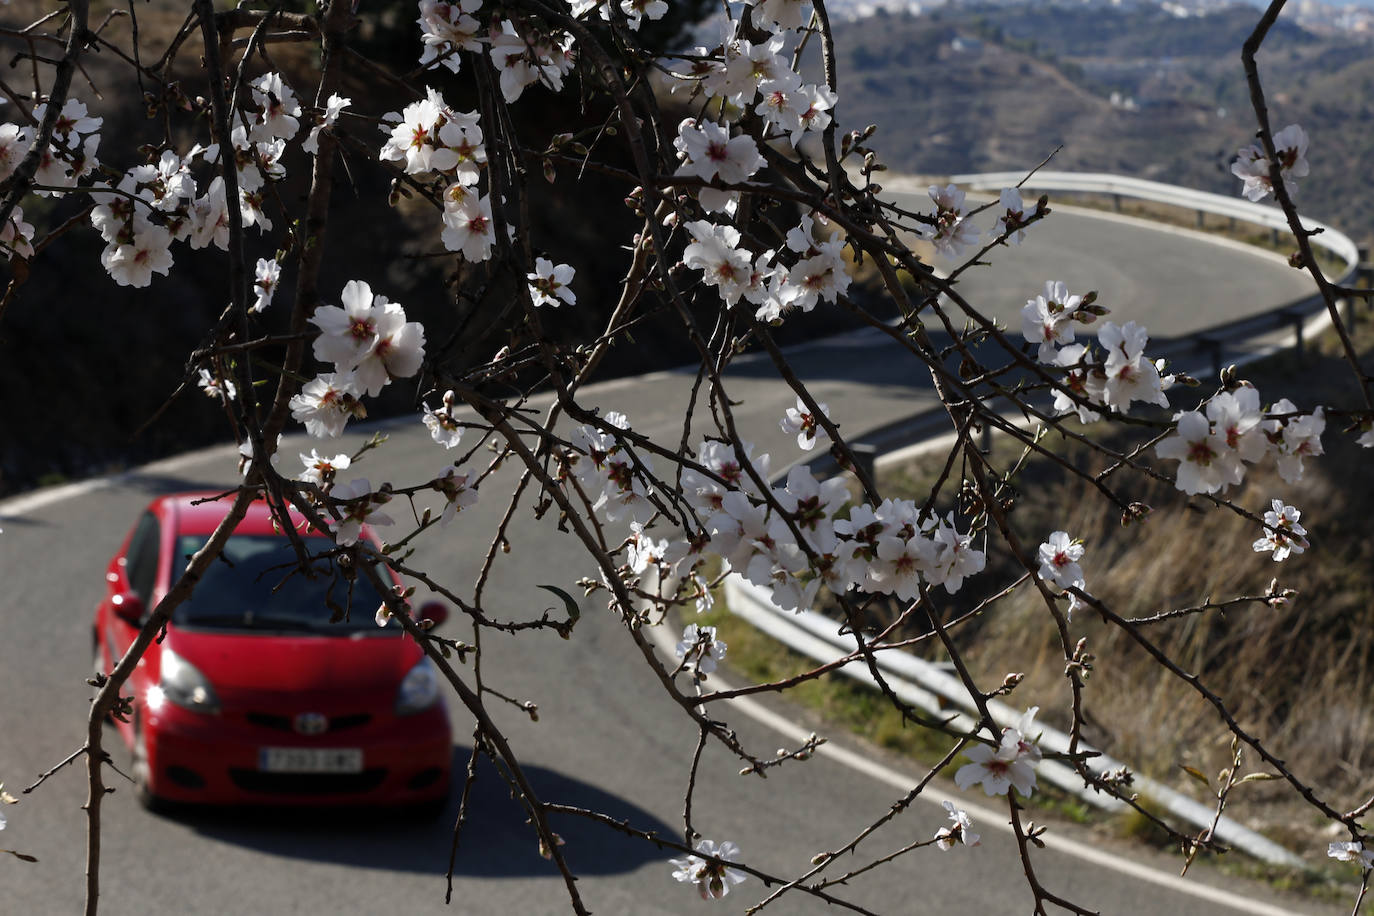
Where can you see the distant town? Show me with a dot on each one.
(1330, 19)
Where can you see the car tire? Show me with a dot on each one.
(428, 810)
(142, 777)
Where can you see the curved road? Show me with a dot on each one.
(605, 737)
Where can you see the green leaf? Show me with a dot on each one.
(569, 601)
(1196, 774)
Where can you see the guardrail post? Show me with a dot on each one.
(1201, 218)
(866, 457)
(1364, 279)
(1116, 203)
(1212, 347)
(1295, 317)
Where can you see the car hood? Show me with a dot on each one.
(296, 663)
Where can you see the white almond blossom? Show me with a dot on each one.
(521, 63)
(468, 227)
(955, 558)
(1252, 165)
(1081, 381)
(1199, 452)
(133, 262)
(799, 422)
(748, 66)
(357, 505)
(1013, 218)
(216, 387)
(1236, 417)
(952, 230)
(347, 333)
(900, 563)
(959, 830)
(326, 404)
(713, 879)
(411, 140)
(1130, 375)
(549, 283)
(644, 550)
(443, 423)
(1282, 533)
(1048, 320)
(17, 236)
(1352, 851)
(711, 153)
(446, 27)
(321, 469)
(278, 109)
(333, 107)
(14, 146)
(265, 278)
(458, 149)
(459, 491)
(370, 337)
(1059, 557)
(1011, 765)
(210, 218)
(700, 648)
(713, 251)
(1294, 438)
(397, 352)
(778, 15)
(637, 10)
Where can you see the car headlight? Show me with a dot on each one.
(419, 689)
(185, 686)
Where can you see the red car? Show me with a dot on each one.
(254, 696)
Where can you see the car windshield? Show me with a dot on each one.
(257, 585)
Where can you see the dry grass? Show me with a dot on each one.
(1300, 675)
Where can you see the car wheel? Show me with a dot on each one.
(142, 775)
(429, 810)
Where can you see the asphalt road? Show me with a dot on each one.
(605, 738)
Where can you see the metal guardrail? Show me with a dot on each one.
(926, 685)
(1118, 186)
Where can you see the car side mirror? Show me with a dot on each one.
(436, 611)
(128, 607)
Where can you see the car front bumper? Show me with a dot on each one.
(220, 759)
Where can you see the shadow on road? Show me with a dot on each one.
(496, 841)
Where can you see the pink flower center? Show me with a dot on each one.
(1200, 453)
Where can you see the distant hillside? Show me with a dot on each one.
(1134, 91)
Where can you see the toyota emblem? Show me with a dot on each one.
(310, 723)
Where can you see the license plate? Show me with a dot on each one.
(310, 760)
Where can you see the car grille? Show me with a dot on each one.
(283, 723)
(307, 783)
